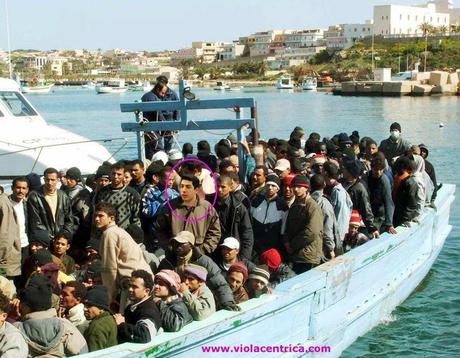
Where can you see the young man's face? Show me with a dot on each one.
(192, 282)
(91, 312)
(271, 190)
(61, 246)
(288, 193)
(71, 183)
(67, 299)
(371, 149)
(228, 254)
(136, 289)
(256, 284)
(102, 220)
(352, 230)
(235, 280)
(181, 249)
(20, 190)
(117, 177)
(300, 191)
(35, 246)
(187, 191)
(127, 178)
(224, 190)
(102, 182)
(51, 181)
(258, 177)
(160, 289)
(137, 172)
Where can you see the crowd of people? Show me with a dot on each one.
(138, 249)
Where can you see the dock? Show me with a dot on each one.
(435, 83)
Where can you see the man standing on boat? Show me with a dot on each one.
(395, 145)
(50, 208)
(154, 140)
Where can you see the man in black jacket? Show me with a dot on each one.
(359, 194)
(141, 321)
(429, 169)
(235, 220)
(50, 208)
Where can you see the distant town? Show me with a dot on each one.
(256, 54)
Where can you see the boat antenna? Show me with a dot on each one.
(10, 67)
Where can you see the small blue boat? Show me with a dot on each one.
(323, 310)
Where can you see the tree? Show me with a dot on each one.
(426, 28)
(443, 29)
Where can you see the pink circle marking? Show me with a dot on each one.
(179, 163)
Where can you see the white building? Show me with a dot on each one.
(304, 38)
(398, 20)
(447, 6)
(346, 35)
(261, 42)
(207, 51)
(230, 51)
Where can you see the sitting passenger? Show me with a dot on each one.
(102, 330)
(258, 281)
(141, 321)
(279, 271)
(61, 245)
(354, 238)
(71, 304)
(237, 275)
(196, 295)
(173, 311)
(12, 343)
(229, 254)
(183, 252)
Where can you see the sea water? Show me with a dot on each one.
(427, 324)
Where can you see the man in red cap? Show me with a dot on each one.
(279, 271)
(237, 276)
(354, 238)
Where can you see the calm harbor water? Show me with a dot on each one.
(427, 324)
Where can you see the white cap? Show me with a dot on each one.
(175, 154)
(282, 165)
(160, 156)
(231, 243)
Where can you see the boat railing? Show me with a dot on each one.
(40, 148)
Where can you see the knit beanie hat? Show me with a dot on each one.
(273, 179)
(175, 155)
(73, 173)
(103, 172)
(34, 181)
(241, 268)
(169, 277)
(356, 219)
(37, 294)
(40, 236)
(344, 139)
(288, 180)
(294, 142)
(41, 257)
(302, 181)
(260, 273)
(354, 167)
(98, 296)
(271, 258)
(198, 271)
(203, 148)
(136, 232)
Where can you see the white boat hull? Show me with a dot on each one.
(331, 305)
(37, 89)
(113, 90)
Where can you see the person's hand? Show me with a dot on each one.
(183, 287)
(391, 230)
(119, 319)
(231, 306)
(375, 234)
(15, 306)
(332, 254)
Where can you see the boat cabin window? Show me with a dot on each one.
(16, 104)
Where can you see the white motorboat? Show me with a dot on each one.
(222, 86)
(309, 84)
(28, 144)
(35, 86)
(111, 86)
(141, 87)
(89, 84)
(285, 82)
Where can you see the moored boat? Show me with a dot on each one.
(309, 84)
(327, 307)
(29, 144)
(111, 86)
(35, 86)
(221, 86)
(285, 82)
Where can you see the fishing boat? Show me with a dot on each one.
(89, 84)
(285, 82)
(114, 86)
(323, 310)
(221, 86)
(37, 86)
(28, 144)
(309, 84)
(140, 87)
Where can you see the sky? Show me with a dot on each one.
(156, 25)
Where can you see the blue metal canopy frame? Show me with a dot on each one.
(184, 124)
